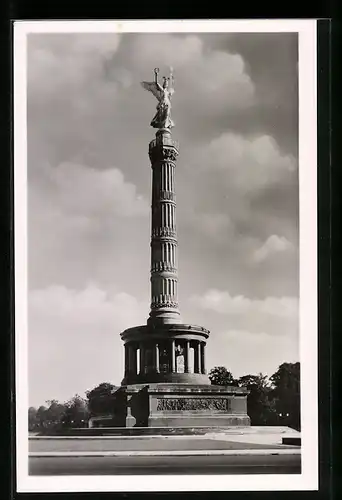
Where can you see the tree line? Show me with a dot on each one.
(271, 400)
(74, 412)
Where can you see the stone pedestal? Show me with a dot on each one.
(178, 405)
(185, 405)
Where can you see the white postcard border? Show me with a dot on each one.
(308, 479)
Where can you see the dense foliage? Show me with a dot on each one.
(221, 376)
(73, 413)
(100, 399)
(271, 401)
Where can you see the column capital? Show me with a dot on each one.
(159, 153)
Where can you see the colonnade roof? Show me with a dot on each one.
(146, 333)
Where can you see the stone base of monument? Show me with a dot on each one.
(177, 405)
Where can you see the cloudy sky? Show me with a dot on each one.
(235, 109)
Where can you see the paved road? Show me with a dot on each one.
(249, 464)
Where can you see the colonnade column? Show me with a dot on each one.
(133, 359)
(196, 365)
(156, 356)
(127, 353)
(202, 351)
(187, 356)
(199, 358)
(173, 356)
(141, 358)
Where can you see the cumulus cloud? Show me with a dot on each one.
(204, 75)
(79, 190)
(272, 246)
(251, 181)
(77, 333)
(248, 164)
(86, 222)
(222, 302)
(206, 70)
(70, 98)
(272, 315)
(89, 308)
(166, 48)
(65, 62)
(84, 72)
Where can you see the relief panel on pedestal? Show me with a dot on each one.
(194, 404)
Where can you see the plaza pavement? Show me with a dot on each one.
(267, 439)
(258, 451)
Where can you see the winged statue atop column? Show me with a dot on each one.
(163, 93)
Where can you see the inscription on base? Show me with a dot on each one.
(193, 404)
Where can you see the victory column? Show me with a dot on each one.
(165, 382)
